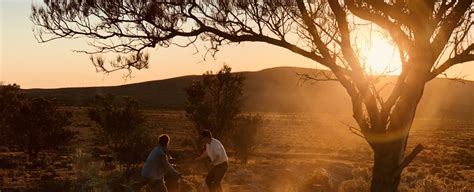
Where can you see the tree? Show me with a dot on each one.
(32, 124)
(430, 35)
(10, 97)
(122, 128)
(215, 101)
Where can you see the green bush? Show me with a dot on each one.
(32, 124)
(10, 98)
(215, 101)
(122, 128)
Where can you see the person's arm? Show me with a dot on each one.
(204, 154)
(168, 168)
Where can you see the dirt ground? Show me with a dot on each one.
(294, 152)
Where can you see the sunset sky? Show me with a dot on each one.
(54, 64)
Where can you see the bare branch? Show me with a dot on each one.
(448, 25)
(316, 77)
(465, 56)
(355, 130)
(408, 159)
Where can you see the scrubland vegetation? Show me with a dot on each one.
(293, 152)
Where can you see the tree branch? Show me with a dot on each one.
(465, 56)
(448, 25)
(348, 52)
(408, 159)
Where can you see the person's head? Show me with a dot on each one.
(164, 140)
(206, 136)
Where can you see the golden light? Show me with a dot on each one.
(381, 57)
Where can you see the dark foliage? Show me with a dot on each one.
(10, 97)
(32, 124)
(122, 128)
(215, 101)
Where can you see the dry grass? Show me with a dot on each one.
(295, 152)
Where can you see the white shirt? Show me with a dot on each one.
(216, 152)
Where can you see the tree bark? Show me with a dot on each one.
(389, 147)
(386, 162)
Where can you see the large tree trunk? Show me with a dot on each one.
(389, 146)
(388, 166)
(386, 161)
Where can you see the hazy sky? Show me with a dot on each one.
(50, 65)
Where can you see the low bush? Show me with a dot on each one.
(435, 184)
(320, 181)
(122, 129)
(32, 124)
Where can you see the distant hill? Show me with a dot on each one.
(275, 90)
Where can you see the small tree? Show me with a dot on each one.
(9, 98)
(122, 128)
(215, 101)
(32, 124)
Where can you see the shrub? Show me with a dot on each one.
(215, 101)
(320, 181)
(135, 148)
(10, 99)
(435, 184)
(122, 128)
(33, 124)
(244, 135)
(59, 185)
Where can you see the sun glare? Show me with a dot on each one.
(381, 57)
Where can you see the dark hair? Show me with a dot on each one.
(206, 133)
(163, 140)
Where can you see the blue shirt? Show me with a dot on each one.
(157, 165)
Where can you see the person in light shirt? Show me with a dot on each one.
(219, 160)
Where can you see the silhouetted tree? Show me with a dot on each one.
(10, 97)
(431, 36)
(215, 101)
(122, 128)
(32, 124)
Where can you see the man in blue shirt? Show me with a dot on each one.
(157, 166)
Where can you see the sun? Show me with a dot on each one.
(380, 56)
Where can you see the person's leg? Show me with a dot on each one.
(221, 169)
(210, 179)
